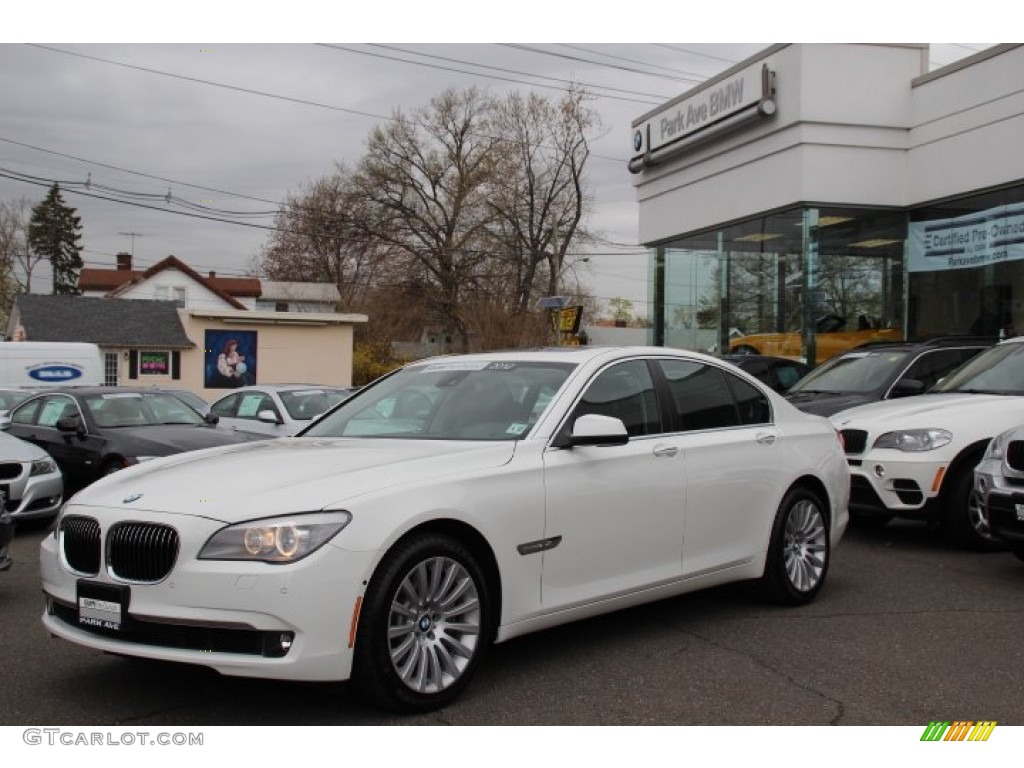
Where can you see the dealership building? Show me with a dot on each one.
(822, 187)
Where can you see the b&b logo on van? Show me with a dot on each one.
(55, 372)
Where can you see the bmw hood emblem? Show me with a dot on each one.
(131, 497)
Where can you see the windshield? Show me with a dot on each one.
(131, 409)
(450, 400)
(853, 372)
(997, 371)
(304, 404)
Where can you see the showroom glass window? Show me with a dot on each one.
(797, 283)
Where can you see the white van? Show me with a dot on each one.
(49, 364)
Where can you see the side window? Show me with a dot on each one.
(932, 366)
(700, 395)
(626, 392)
(753, 405)
(26, 414)
(54, 409)
(251, 403)
(226, 406)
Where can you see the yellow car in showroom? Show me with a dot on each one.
(833, 338)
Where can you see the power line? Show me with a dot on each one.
(684, 76)
(49, 183)
(684, 49)
(478, 74)
(541, 51)
(211, 83)
(517, 72)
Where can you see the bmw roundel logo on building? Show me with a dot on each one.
(638, 140)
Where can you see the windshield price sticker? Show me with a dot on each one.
(454, 366)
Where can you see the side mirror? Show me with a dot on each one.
(593, 429)
(211, 418)
(907, 387)
(269, 417)
(70, 424)
(5, 420)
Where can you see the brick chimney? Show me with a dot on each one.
(124, 262)
(212, 274)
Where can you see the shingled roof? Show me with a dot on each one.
(108, 322)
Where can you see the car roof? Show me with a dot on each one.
(938, 342)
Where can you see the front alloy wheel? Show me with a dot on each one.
(434, 625)
(425, 623)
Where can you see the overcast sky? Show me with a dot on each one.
(231, 128)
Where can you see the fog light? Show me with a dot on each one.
(277, 644)
(879, 470)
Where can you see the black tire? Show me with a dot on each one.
(799, 550)
(869, 521)
(745, 349)
(962, 520)
(417, 661)
(1018, 552)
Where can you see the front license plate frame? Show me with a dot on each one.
(102, 606)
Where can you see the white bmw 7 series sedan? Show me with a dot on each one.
(457, 502)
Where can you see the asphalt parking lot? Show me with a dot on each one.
(908, 630)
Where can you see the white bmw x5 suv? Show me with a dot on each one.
(915, 457)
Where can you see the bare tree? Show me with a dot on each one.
(16, 258)
(539, 195)
(425, 178)
(318, 239)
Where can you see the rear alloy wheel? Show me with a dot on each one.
(799, 550)
(964, 521)
(424, 627)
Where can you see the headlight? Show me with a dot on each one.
(276, 539)
(43, 467)
(915, 440)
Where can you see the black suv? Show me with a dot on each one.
(882, 371)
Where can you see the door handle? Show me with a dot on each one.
(666, 451)
(765, 438)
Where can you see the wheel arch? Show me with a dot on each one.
(473, 540)
(972, 452)
(815, 485)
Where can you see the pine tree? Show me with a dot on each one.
(53, 233)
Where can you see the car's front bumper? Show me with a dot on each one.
(895, 482)
(1002, 496)
(227, 615)
(35, 497)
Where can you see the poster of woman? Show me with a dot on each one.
(230, 359)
